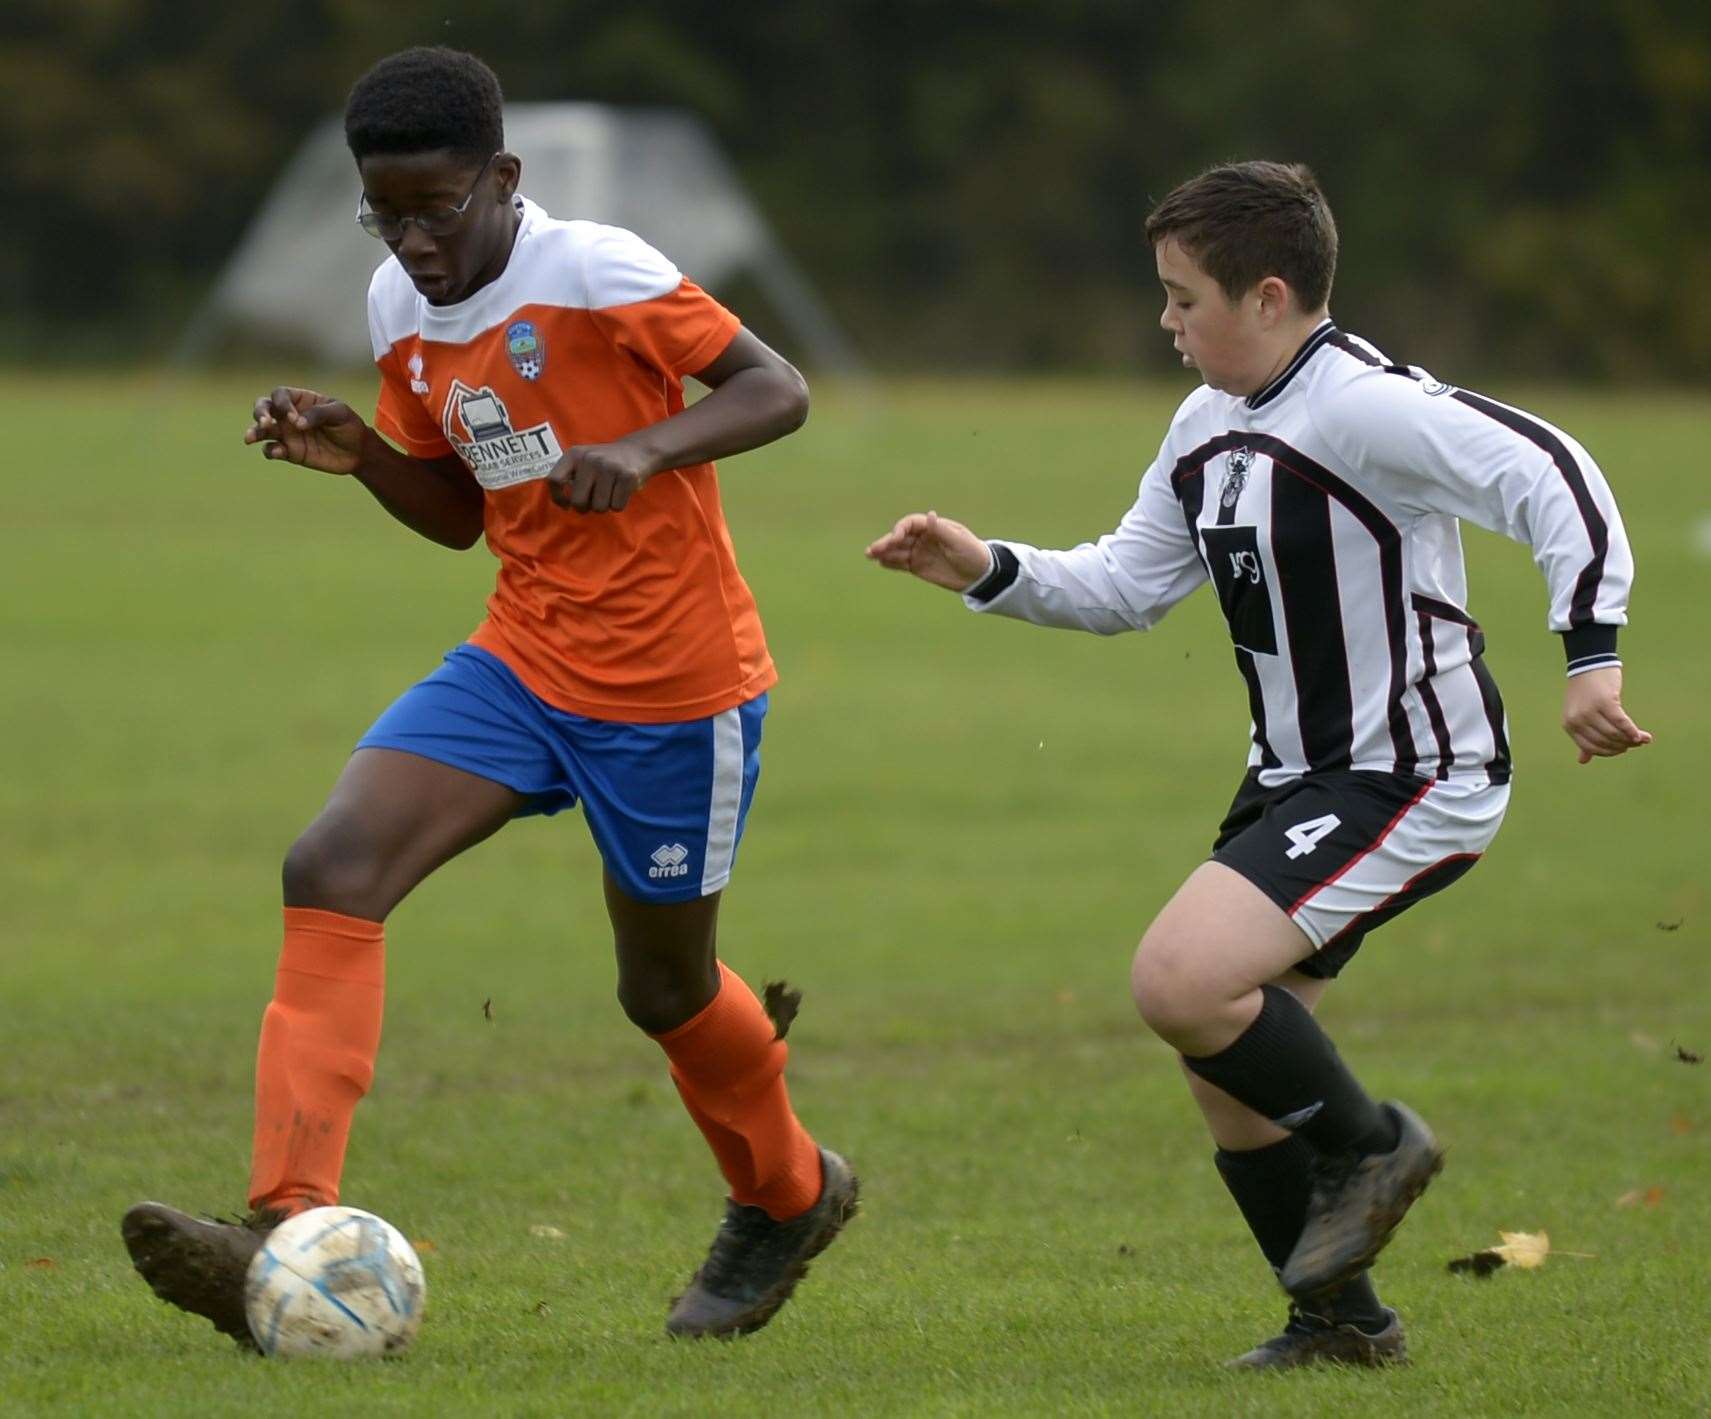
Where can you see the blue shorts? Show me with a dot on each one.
(666, 803)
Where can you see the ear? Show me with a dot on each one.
(508, 167)
(1275, 299)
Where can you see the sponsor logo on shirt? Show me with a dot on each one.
(478, 426)
(418, 385)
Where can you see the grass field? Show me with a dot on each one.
(961, 829)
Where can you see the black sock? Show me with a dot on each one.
(1270, 1186)
(1285, 1068)
(1356, 1303)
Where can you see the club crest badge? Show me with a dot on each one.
(525, 348)
(1236, 476)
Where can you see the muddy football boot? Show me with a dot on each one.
(198, 1265)
(1356, 1203)
(755, 1262)
(1314, 1340)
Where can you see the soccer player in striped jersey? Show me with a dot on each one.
(1318, 487)
(531, 377)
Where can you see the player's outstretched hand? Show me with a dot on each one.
(310, 429)
(1592, 716)
(935, 549)
(599, 477)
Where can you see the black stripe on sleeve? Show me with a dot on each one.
(1340, 341)
(1005, 569)
(1597, 531)
(1590, 646)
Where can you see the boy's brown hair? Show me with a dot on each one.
(1242, 222)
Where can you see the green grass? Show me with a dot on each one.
(962, 828)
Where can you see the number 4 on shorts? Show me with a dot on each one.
(1306, 836)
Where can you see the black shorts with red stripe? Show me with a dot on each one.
(1341, 853)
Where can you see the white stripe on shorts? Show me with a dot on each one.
(726, 800)
(1450, 819)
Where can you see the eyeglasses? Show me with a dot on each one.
(435, 222)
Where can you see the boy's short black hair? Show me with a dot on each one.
(1242, 222)
(424, 99)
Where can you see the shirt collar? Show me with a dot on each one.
(1321, 333)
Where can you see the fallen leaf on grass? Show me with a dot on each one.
(1524, 1250)
(424, 1245)
(1688, 1056)
(543, 1309)
(1670, 925)
(42, 1263)
(541, 1229)
(487, 1010)
(1634, 1197)
(1680, 1125)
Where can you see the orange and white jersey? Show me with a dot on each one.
(636, 615)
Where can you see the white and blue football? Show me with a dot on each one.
(335, 1281)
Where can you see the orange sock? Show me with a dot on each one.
(728, 1065)
(316, 1059)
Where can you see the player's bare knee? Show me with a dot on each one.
(657, 1006)
(332, 866)
(1165, 989)
(659, 994)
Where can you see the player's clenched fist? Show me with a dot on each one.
(935, 549)
(599, 477)
(307, 428)
(1592, 716)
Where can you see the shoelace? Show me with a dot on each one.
(260, 1220)
(1305, 1322)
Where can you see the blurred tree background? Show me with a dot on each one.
(1522, 188)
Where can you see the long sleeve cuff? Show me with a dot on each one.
(1590, 647)
(1005, 568)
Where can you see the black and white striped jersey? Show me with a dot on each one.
(1324, 511)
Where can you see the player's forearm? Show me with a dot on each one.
(434, 497)
(753, 407)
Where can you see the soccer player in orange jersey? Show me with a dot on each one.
(532, 381)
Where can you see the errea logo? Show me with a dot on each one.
(668, 861)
